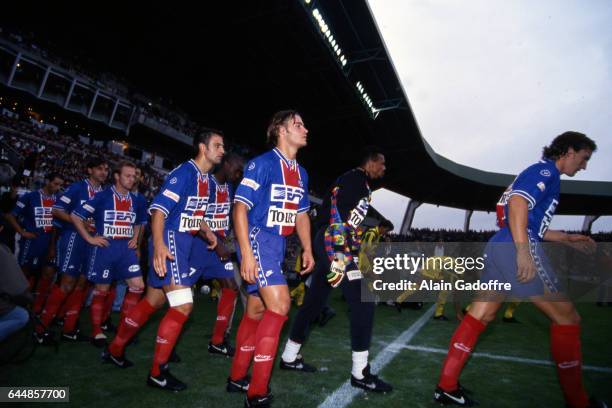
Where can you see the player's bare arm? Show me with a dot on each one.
(302, 226)
(61, 215)
(579, 242)
(10, 218)
(206, 233)
(81, 227)
(518, 209)
(248, 265)
(160, 250)
(135, 240)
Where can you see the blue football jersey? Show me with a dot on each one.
(78, 193)
(183, 198)
(275, 189)
(34, 208)
(219, 207)
(141, 199)
(540, 185)
(114, 214)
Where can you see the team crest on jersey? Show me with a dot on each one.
(251, 166)
(541, 186)
(173, 180)
(545, 173)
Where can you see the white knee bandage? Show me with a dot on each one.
(179, 297)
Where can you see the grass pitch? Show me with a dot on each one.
(413, 373)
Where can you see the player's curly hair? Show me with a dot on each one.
(561, 144)
(279, 119)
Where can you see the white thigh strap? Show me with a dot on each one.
(179, 297)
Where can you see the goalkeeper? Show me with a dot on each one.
(336, 246)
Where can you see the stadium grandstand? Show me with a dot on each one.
(141, 84)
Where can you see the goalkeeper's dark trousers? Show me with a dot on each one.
(361, 314)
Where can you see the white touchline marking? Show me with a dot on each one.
(503, 358)
(345, 393)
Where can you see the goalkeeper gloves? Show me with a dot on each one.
(337, 270)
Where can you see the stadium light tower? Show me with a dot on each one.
(333, 44)
(365, 98)
(326, 32)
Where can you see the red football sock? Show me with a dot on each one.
(42, 291)
(565, 348)
(130, 300)
(169, 329)
(61, 313)
(266, 344)
(74, 303)
(245, 347)
(461, 346)
(108, 303)
(96, 311)
(55, 300)
(225, 308)
(31, 282)
(130, 325)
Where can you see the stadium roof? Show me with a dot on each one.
(234, 64)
